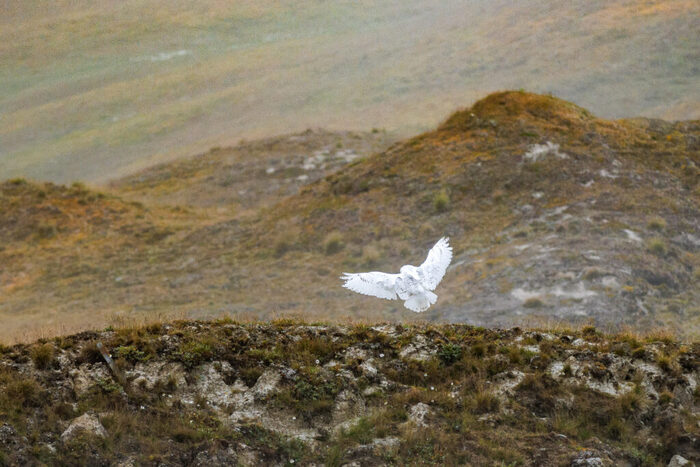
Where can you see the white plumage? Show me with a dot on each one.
(412, 284)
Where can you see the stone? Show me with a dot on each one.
(588, 462)
(377, 447)
(418, 413)
(8, 435)
(388, 329)
(507, 381)
(355, 353)
(347, 405)
(368, 370)
(679, 461)
(266, 384)
(86, 376)
(128, 462)
(372, 391)
(210, 385)
(147, 375)
(418, 350)
(217, 458)
(87, 423)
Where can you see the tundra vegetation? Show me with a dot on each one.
(227, 393)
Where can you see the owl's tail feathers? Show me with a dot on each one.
(419, 303)
(432, 298)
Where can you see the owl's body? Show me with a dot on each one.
(412, 284)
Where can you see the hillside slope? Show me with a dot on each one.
(250, 175)
(192, 393)
(554, 214)
(98, 89)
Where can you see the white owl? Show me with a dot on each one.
(412, 284)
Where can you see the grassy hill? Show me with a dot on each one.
(281, 393)
(250, 175)
(75, 256)
(555, 215)
(98, 89)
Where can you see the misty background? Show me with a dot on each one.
(93, 90)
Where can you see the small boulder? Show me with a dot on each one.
(87, 423)
(418, 350)
(368, 370)
(210, 385)
(418, 413)
(87, 375)
(347, 405)
(355, 353)
(266, 384)
(679, 461)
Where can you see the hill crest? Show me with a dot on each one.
(554, 215)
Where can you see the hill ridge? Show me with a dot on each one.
(283, 392)
(554, 215)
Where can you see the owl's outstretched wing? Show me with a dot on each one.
(376, 284)
(433, 268)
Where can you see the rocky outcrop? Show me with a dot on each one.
(86, 424)
(196, 393)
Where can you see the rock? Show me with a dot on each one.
(247, 456)
(128, 462)
(679, 461)
(245, 415)
(587, 459)
(266, 384)
(378, 447)
(372, 391)
(217, 458)
(418, 350)
(8, 435)
(87, 375)
(388, 329)
(87, 423)
(347, 405)
(147, 375)
(683, 395)
(210, 385)
(387, 443)
(368, 370)
(507, 381)
(355, 353)
(418, 413)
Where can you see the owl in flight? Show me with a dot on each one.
(412, 284)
